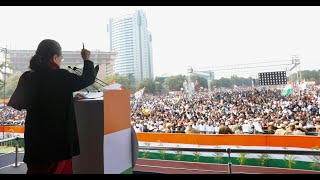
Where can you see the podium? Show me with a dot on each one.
(105, 135)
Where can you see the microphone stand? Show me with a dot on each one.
(80, 75)
(96, 68)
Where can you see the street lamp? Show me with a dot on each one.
(4, 85)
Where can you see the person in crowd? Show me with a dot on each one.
(271, 128)
(190, 129)
(298, 131)
(237, 129)
(290, 129)
(224, 129)
(281, 130)
(251, 109)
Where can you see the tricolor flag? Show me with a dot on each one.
(287, 90)
(303, 85)
(139, 94)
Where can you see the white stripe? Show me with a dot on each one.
(21, 135)
(210, 154)
(117, 152)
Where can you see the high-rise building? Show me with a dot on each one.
(130, 38)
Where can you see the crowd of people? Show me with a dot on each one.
(233, 111)
(228, 111)
(10, 116)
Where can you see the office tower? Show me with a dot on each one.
(129, 37)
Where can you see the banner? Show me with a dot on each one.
(287, 90)
(139, 94)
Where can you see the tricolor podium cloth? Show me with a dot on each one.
(117, 132)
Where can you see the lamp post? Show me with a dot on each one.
(4, 85)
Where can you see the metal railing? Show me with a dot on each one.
(16, 164)
(230, 150)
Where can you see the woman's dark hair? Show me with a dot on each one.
(45, 52)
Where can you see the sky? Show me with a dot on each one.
(182, 36)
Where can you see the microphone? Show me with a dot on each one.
(96, 71)
(94, 81)
(80, 75)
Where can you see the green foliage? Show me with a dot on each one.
(146, 153)
(159, 85)
(202, 81)
(149, 84)
(10, 149)
(223, 82)
(315, 165)
(263, 159)
(290, 160)
(175, 82)
(218, 156)
(160, 79)
(11, 84)
(230, 82)
(178, 154)
(307, 75)
(197, 156)
(240, 81)
(123, 80)
(242, 158)
(5, 64)
(162, 154)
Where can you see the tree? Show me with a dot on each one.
(11, 84)
(225, 82)
(160, 79)
(202, 81)
(175, 82)
(215, 83)
(240, 81)
(123, 80)
(149, 84)
(230, 82)
(3, 64)
(159, 84)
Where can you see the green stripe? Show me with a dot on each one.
(128, 171)
(277, 163)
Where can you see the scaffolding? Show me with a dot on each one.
(249, 70)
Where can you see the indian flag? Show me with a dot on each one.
(287, 90)
(117, 132)
(139, 93)
(303, 85)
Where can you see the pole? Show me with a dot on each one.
(190, 71)
(229, 161)
(4, 88)
(16, 164)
